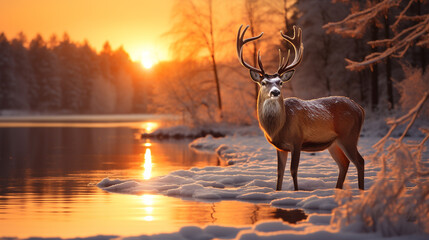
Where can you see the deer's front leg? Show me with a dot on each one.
(296, 152)
(281, 164)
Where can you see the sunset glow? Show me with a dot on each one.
(147, 165)
(149, 127)
(145, 57)
(136, 25)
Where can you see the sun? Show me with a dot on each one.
(147, 55)
(147, 60)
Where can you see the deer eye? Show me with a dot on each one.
(280, 83)
(263, 83)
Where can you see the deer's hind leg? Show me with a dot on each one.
(350, 150)
(342, 162)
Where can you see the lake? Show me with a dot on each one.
(49, 166)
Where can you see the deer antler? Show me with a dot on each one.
(240, 44)
(284, 66)
(296, 42)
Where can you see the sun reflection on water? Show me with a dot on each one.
(148, 201)
(147, 165)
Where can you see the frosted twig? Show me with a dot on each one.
(401, 15)
(411, 114)
(398, 46)
(355, 25)
(360, 19)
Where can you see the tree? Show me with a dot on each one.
(47, 89)
(23, 72)
(253, 16)
(120, 69)
(408, 31)
(288, 12)
(7, 78)
(185, 91)
(89, 72)
(194, 34)
(103, 89)
(71, 75)
(416, 33)
(323, 66)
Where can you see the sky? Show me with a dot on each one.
(137, 25)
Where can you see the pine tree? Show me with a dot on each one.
(47, 92)
(7, 78)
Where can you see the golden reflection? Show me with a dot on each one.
(147, 165)
(148, 218)
(148, 201)
(148, 210)
(149, 127)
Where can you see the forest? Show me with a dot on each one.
(373, 51)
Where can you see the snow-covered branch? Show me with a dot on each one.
(355, 26)
(401, 16)
(412, 114)
(399, 45)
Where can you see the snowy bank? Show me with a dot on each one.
(250, 176)
(183, 131)
(214, 130)
(312, 229)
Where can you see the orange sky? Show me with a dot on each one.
(135, 24)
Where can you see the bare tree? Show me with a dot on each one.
(408, 30)
(253, 17)
(287, 11)
(194, 33)
(183, 87)
(416, 31)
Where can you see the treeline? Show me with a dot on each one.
(61, 76)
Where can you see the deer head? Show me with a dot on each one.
(270, 84)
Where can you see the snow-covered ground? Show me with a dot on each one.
(250, 175)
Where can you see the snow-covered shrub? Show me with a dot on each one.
(412, 88)
(398, 201)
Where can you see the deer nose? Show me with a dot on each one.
(274, 93)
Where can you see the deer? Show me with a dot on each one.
(294, 125)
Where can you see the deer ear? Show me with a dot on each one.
(287, 75)
(255, 76)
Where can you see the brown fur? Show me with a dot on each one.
(295, 125)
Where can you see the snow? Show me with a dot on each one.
(263, 230)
